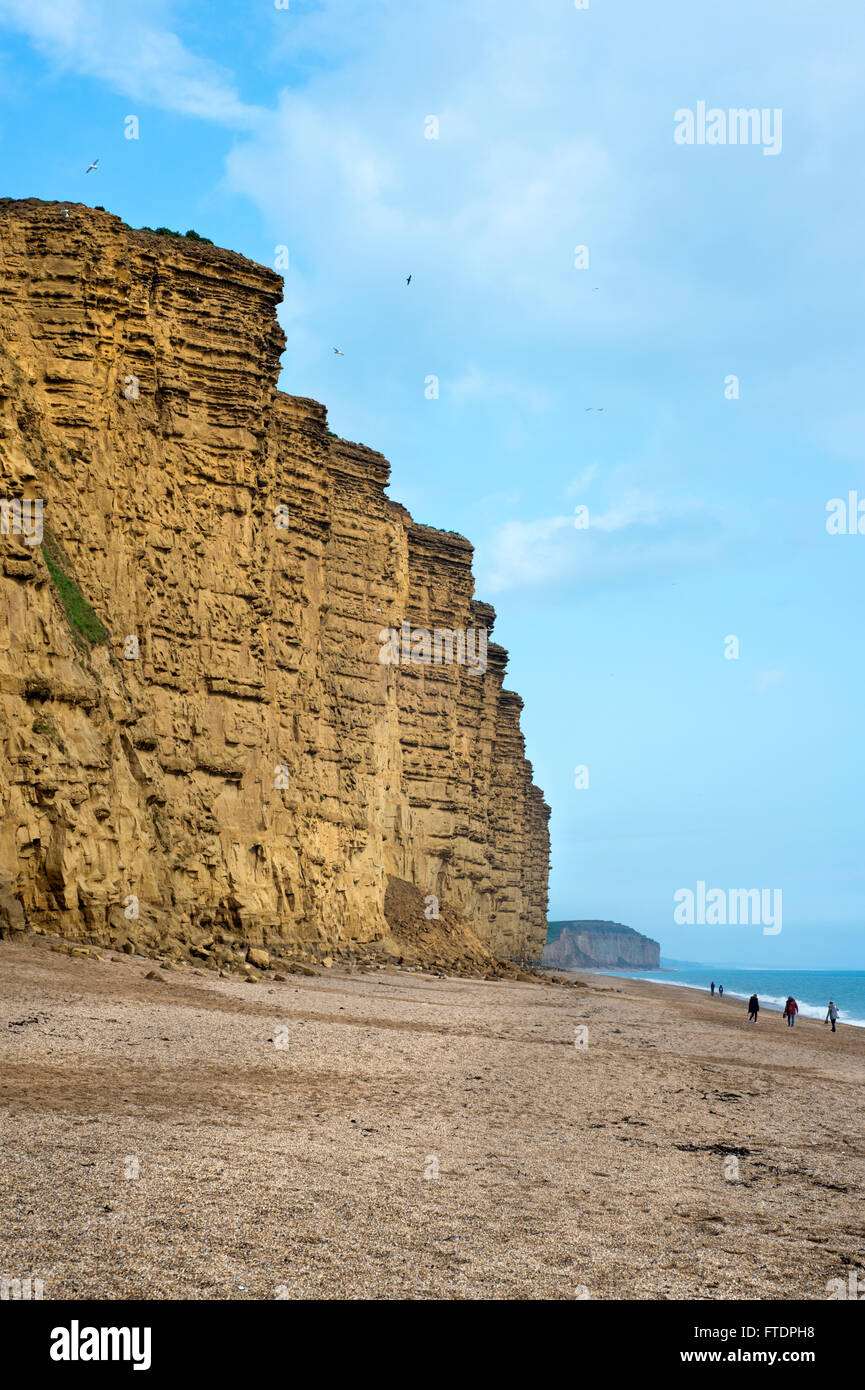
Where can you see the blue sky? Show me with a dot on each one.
(305, 127)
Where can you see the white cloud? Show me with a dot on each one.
(476, 384)
(501, 499)
(765, 680)
(639, 535)
(487, 216)
(582, 481)
(132, 54)
(525, 554)
(638, 508)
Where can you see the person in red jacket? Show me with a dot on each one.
(791, 1008)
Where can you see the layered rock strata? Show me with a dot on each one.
(576, 945)
(198, 736)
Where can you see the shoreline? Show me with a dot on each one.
(418, 1137)
(774, 1004)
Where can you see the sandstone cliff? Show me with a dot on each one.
(581, 945)
(194, 719)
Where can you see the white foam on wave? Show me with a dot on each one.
(775, 1002)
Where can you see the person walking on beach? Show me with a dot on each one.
(712, 987)
(832, 1014)
(753, 1008)
(721, 991)
(791, 1008)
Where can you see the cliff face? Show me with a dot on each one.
(581, 945)
(193, 709)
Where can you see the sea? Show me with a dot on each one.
(812, 989)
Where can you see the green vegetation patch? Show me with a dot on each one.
(44, 724)
(81, 617)
(191, 235)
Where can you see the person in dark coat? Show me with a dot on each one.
(753, 1008)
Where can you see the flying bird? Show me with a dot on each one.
(94, 165)
(338, 353)
(408, 281)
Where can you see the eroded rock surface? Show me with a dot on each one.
(576, 945)
(195, 723)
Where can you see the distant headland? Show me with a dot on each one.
(583, 945)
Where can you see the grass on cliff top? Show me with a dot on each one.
(555, 929)
(81, 616)
(191, 235)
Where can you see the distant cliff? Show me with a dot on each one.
(580, 945)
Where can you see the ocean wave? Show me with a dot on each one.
(773, 1002)
(777, 1001)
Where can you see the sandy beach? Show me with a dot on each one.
(389, 1134)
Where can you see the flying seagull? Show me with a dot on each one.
(94, 165)
(408, 281)
(338, 353)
